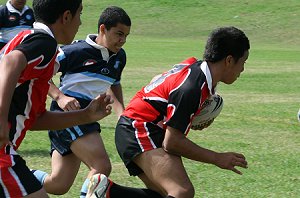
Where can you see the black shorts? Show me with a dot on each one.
(129, 145)
(61, 140)
(17, 180)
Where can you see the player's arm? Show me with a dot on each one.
(64, 102)
(11, 67)
(53, 120)
(117, 95)
(175, 142)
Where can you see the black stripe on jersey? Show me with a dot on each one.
(2, 191)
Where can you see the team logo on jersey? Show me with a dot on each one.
(116, 66)
(89, 62)
(12, 18)
(105, 71)
(28, 17)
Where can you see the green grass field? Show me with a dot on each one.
(259, 116)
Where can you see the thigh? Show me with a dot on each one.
(90, 149)
(163, 171)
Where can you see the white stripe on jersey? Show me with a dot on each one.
(156, 99)
(20, 125)
(137, 137)
(86, 84)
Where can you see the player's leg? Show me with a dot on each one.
(165, 172)
(18, 180)
(90, 149)
(64, 171)
(150, 185)
(100, 187)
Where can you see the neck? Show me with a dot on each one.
(214, 69)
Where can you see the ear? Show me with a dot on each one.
(102, 29)
(229, 60)
(67, 17)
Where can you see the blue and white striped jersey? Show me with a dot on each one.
(89, 69)
(12, 21)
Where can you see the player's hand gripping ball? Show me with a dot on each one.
(210, 110)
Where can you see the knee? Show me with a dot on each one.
(189, 191)
(61, 190)
(100, 167)
(57, 186)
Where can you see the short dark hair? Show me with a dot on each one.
(48, 11)
(113, 15)
(226, 41)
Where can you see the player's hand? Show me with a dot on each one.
(67, 103)
(230, 160)
(99, 107)
(4, 133)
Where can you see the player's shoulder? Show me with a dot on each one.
(38, 39)
(76, 45)
(29, 10)
(43, 35)
(3, 8)
(121, 54)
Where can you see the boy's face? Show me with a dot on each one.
(234, 69)
(115, 38)
(18, 4)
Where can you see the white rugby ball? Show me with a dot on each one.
(209, 111)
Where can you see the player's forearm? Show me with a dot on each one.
(54, 92)
(54, 120)
(118, 108)
(117, 95)
(176, 143)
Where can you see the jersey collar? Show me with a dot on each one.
(104, 51)
(39, 25)
(12, 9)
(204, 67)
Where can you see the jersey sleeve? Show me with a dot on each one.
(183, 103)
(62, 59)
(38, 46)
(67, 55)
(121, 60)
(184, 100)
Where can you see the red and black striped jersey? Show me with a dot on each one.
(29, 98)
(173, 98)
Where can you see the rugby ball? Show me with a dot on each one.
(210, 109)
